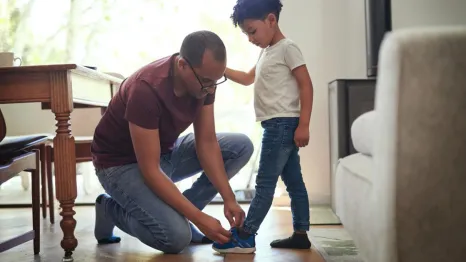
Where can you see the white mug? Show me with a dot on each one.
(8, 59)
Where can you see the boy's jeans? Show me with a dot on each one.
(279, 157)
(136, 210)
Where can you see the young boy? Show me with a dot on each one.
(283, 96)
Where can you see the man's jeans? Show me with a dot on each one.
(279, 157)
(136, 210)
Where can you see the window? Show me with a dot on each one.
(121, 36)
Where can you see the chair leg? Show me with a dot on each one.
(43, 177)
(36, 204)
(48, 151)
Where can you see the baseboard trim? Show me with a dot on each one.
(320, 199)
(316, 199)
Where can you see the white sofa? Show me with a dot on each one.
(403, 196)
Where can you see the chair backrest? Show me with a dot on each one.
(2, 126)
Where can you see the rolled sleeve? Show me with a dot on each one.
(293, 56)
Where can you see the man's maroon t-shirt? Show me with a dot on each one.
(146, 99)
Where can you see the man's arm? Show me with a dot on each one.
(210, 158)
(143, 118)
(209, 154)
(240, 77)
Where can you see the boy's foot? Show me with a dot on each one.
(243, 245)
(296, 241)
(103, 230)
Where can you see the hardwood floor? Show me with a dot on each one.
(14, 221)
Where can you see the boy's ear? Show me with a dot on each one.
(271, 18)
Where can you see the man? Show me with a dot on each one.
(138, 155)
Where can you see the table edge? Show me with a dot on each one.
(74, 68)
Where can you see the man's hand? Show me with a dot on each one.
(301, 136)
(212, 229)
(234, 213)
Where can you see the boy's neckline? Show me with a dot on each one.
(270, 47)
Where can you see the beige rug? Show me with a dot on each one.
(334, 244)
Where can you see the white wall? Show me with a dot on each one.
(414, 13)
(43, 121)
(331, 35)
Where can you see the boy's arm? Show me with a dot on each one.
(240, 77)
(306, 94)
(295, 61)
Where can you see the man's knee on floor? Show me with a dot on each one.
(172, 239)
(178, 238)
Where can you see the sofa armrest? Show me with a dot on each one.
(420, 146)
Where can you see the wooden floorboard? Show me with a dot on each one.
(278, 224)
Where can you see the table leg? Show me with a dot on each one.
(65, 158)
(65, 175)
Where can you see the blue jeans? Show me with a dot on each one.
(279, 157)
(136, 210)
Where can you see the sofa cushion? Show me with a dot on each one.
(362, 133)
(359, 165)
(353, 190)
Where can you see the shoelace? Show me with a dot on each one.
(240, 244)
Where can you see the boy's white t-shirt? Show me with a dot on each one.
(276, 91)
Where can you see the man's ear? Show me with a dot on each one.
(182, 63)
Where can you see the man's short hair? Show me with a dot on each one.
(195, 44)
(255, 9)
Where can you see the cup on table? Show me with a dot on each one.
(8, 59)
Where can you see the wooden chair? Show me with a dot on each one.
(83, 154)
(18, 154)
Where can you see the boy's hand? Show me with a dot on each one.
(301, 136)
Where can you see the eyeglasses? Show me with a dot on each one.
(207, 88)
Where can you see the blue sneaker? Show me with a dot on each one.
(236, 244)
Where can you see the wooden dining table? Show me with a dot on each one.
(60, 88)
